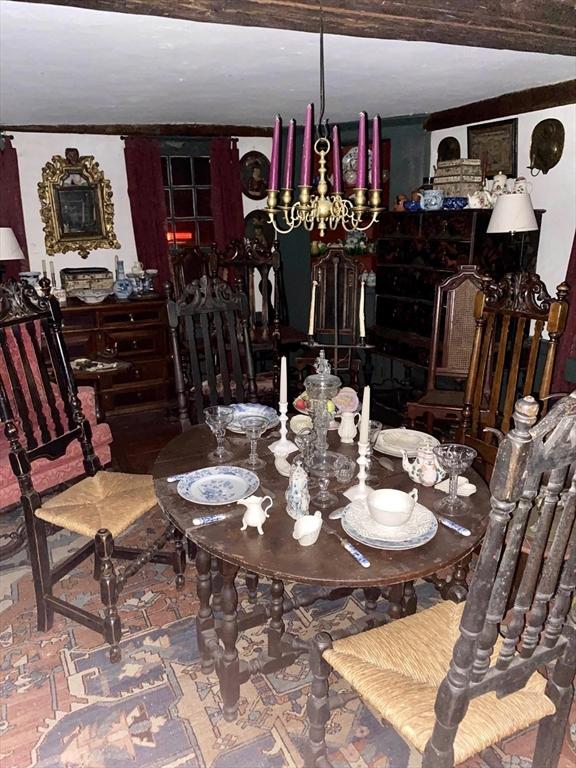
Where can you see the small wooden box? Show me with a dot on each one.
(77, 279)
(458, 178)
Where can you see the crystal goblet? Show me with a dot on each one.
(455, 459)
(374, 429)
(218, 417)
(254, 427)
(306, 443)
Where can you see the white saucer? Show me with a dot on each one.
(359, 525)
(393, 441)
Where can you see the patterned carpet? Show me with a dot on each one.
(64, 706)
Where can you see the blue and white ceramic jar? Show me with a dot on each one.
(123, 287)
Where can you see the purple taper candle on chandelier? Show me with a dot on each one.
(376, 179)
(336, 161)
(306, 166)
(361, 180)
(289, 159)
(275, 158)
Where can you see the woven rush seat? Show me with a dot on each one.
(111, 500)
(397, 669)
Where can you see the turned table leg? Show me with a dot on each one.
(204, 617)
(371, 595)
(228, 664)
(276, 624)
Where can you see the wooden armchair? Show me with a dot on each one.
(212, 351)
(42, 417)
(507, 354)
(455, 679)
(453, 329)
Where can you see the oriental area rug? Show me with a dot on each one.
(63, 705)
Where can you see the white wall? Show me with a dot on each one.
(555, 192)
(34, 151)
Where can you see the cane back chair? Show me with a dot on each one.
(211, 349)
(505, 358)
(451, 346)
(455, 679)
(42, 416)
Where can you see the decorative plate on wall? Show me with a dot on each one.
(254, 173)
(546, 146)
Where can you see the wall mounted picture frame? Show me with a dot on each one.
(257, 227)
(254, 173)
(495, 144)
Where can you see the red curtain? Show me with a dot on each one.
(567, 343)
(147, 204)
(11, 214)
(226, 191)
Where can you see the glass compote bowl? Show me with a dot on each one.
(374, 429)
(254, 427)
(455, 459)
(218, 417)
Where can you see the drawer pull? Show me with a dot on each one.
(134, 343)
(131, 317)
(137, 373)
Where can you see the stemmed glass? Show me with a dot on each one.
(455, 459)
(374, 429)
(306, 443)
(218, 417)
(254, 427)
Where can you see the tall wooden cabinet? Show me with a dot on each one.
(139, 329)
(415, 251)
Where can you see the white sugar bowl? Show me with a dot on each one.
(390, 507)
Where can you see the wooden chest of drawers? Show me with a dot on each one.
(139, 329)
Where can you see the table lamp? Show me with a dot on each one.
(513, 213)
(9, 248)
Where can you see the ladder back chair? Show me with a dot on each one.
(453, 330)
(336, 313)
(211, 348)
(42, 416)
(455, 679)
(505, 356)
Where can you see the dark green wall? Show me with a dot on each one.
(410, 162)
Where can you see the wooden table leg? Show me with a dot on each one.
(229, 665)
(204, 617)
(276, 625)
(216, 584)
(402, 599)
(371, 595)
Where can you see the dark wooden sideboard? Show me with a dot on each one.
(140, 331)
(416, 251)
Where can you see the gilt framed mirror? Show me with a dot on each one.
(76, 205)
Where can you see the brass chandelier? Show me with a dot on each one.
(325, 206)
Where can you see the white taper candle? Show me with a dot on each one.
(365, 418)
(53, 275)
(361, 318)
(283, 381)
(312, 308)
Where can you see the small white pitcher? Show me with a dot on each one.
(256, 513)
(347, 429)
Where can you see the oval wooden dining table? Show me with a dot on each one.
(222, 549)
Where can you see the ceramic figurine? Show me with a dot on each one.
(255, 514)
(297, 493)
(425, 468)
(347, 429)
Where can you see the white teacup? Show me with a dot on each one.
(391, 507)
(300, 422)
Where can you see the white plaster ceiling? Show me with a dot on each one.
(63, 65)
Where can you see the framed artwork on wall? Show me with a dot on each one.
(495, 144)
(254, 172)
(257, 227)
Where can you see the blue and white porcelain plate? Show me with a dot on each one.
(218, 485)
(359, 525)
(252, 409)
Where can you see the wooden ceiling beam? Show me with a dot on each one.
(156, 129)
(544, 27)
(516, 103)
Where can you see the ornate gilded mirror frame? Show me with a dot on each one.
(76, 205)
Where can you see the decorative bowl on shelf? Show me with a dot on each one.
(92, 295)
(455, 203)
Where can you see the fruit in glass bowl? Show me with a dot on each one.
(302, 404)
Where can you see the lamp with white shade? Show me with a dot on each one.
(513, 213)
(9, 248)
